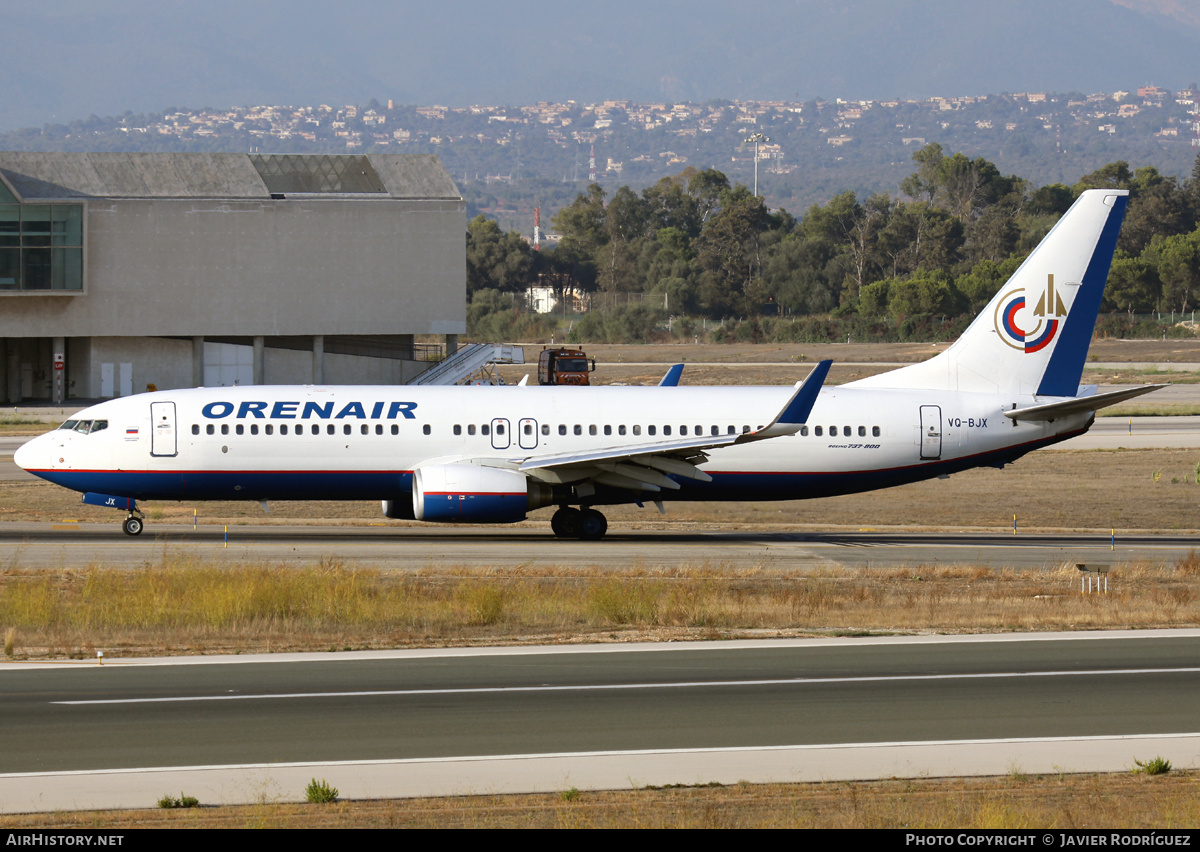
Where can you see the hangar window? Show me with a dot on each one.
(41, 245)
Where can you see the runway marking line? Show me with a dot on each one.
(400, 761)
(500, 690)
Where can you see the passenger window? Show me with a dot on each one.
(329, 429)
(528, 429)
(224, 428)
(637, 430)
(282, 428)
(470, 428)
(745, 429)
(804, 431)
(833, 430)
(731, 430)
(607, 429)
(457, 429)
(195, 428)
(365, 429)
(817, 431)
(682, 430)
(253, 428)
(545, 428)
(269, 429)
(562, 429)
(862, 431)
(592, 429)
(650, 430)
(716, 430)
(578, 429)
(621, 429)
(666, 430)
(486, 430)
(209, 430)
(240, 429)
(875, 431)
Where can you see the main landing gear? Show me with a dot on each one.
(586, 524)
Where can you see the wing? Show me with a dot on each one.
(649, 466)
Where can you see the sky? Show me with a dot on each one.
(67, 59)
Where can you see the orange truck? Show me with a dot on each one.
(564, 366)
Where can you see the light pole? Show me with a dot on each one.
(756, 139)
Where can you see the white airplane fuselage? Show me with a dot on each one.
(342, 443)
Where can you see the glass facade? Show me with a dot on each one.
(41, 246)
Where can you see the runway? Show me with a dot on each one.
(545, 719)
(73, 545)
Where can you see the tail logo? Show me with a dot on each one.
(1030, 331)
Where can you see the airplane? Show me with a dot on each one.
(1009, 385)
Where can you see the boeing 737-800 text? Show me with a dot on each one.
(1009, 385)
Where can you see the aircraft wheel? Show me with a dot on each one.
(132, 526)
(592, 525)
(565, 522)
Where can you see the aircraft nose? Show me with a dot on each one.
(32, 454)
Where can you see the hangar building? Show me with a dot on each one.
(121, 271)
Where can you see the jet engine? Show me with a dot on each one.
(471, 494)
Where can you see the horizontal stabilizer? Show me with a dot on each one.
(1078, 405)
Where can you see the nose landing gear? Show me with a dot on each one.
(132, 525)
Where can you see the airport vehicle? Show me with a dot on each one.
(1009, 385)
(562, 366)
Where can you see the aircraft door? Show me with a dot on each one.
(500, 437)
(527, 434)
(931, 432)
(162, 429)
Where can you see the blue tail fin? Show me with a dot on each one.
(1033, 336)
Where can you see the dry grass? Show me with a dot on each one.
(1015, 802)
(183, 606)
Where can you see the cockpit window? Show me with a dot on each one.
(85, 427)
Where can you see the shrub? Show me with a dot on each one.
(319, 792)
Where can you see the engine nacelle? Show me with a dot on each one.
(399, 510)
(470, 494)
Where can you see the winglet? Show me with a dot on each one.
(796, 412)
(671, 378)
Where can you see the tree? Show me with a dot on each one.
(495, 260)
